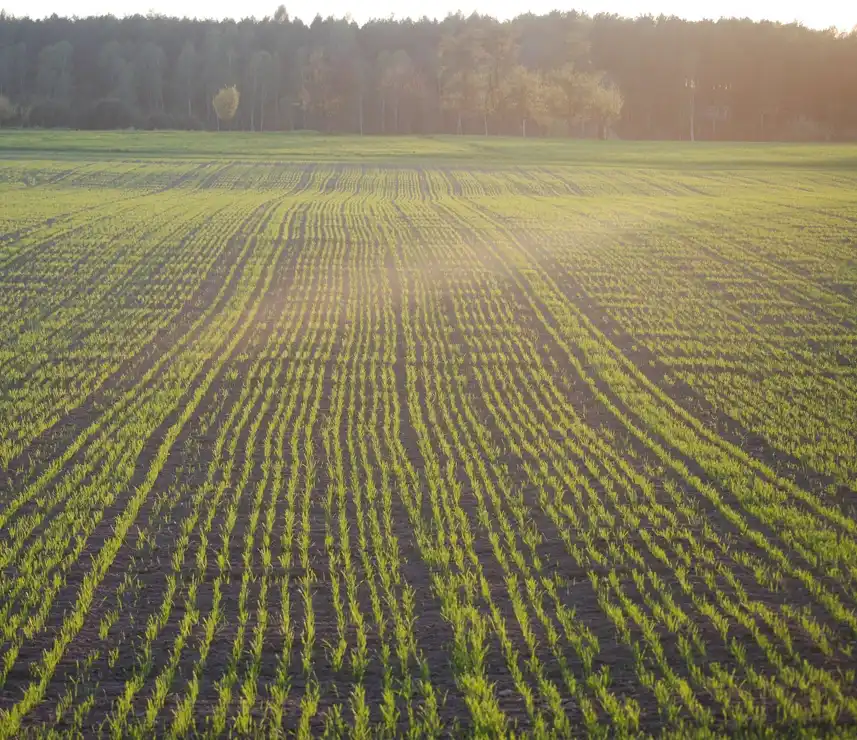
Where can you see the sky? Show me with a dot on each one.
(841, 14)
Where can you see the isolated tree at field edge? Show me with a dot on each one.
(226, 104)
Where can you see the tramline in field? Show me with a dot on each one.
(323, 437)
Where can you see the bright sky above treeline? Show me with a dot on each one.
(818, 14)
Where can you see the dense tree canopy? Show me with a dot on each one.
(556, 74)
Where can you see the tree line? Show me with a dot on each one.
(563, 73)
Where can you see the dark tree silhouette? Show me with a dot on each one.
(564, 73)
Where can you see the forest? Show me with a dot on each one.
(560, 74)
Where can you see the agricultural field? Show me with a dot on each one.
(306, 436)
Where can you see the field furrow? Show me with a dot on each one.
(426, 447)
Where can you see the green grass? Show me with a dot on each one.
(323, 435)
(469, 150)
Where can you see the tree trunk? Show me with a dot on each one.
(262, 116)
(189, 109)
(692, 116)
(396, 117)
(383, 115)
(459, 128)
(524, 127)
(485, 121)
(361, 113)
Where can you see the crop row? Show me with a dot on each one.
(346, 450)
